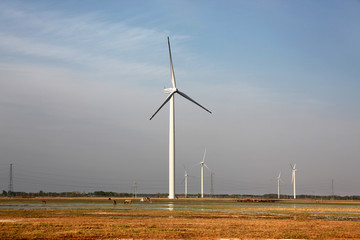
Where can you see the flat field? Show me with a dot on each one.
(98, 218)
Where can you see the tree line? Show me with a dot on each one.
(165, 195)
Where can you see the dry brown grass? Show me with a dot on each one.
(115, 224)
(132, 223)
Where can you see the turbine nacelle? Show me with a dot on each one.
(170, 90)
(203, 162)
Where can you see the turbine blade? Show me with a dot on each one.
(184, 167)
(204, 156)
(166, 100)
(279, 175)
(191, 100)
(171, 66)
(207, 167)
(295, 166)
(291, 166)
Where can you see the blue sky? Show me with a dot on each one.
(79, 81)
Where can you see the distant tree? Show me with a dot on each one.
(75, 194)
(99, 193)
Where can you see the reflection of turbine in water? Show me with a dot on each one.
(171, 207)
(171, 97)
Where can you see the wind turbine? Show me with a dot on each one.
(278, 180)
(186, 176)
(293, 179)
(202, 164)
(171, 97)
(186, 183)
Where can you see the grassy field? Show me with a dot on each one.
(180, 219)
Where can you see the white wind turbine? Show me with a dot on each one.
(171, 97)
(293, 179)
(186, 183)
(186, 176)
(202, 164)
(278, 180)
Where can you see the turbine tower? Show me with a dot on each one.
(278, 180)
(186, 183)
(293, 179)
(171, 97)
(202, 164)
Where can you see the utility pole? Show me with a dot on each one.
(332, 188)
(11, 186)
(186, 183)
(134, 187)
(212, 183)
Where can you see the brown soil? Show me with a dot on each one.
(149, 224)
(252, 222)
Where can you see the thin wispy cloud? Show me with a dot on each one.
(86, 41)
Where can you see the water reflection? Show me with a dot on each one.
(184, 206)
(171, 207)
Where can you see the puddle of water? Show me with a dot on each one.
(335, 218)
(230, 208)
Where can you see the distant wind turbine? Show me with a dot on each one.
(278, 180)
(293, 179)
(171, 98)
(202, 164)
(186, 183)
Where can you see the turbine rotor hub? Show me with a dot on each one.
(170, 90)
